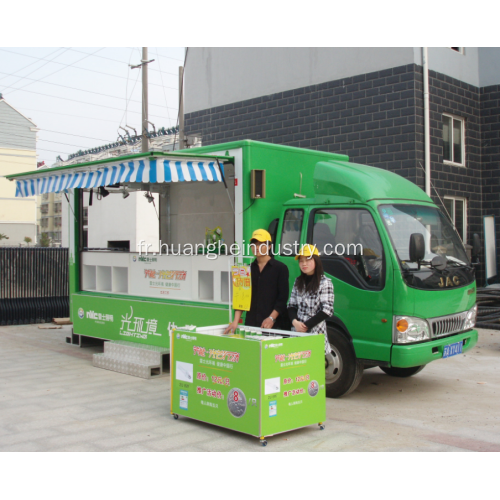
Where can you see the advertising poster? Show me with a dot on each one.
(224, 388)
(293, 383)
(242, 287)
(160, 276)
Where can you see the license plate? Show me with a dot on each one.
(452, 349)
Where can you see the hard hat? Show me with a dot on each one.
(261, 235)
(307, 251)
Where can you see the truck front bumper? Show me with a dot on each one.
(406, 356)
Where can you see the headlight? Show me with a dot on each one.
(470, 319)
(409, 329)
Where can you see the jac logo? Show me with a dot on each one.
(449, 282)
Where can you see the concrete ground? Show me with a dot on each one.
(53, 399)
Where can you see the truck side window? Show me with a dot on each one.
(290, 234)
(349, 245)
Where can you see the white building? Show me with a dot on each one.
(17, 154)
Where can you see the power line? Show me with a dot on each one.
(166, 57)
(74, 135)
(55, 142)
(123, 62)
(80, 90)
(57, 71)
(84, 102)
(125, 114)
(126, 88)
(52, 151)
(164, 94)
(31, 64)
(72, 116)
(76, 67)
(36, 69)
(46, 140)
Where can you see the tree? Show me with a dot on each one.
(27, 240)
(45, 240)
(3, 236)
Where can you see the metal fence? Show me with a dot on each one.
(33, 285)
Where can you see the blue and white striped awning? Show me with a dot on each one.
(148, 170)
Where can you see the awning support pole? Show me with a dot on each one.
(225, 185)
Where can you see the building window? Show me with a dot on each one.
(57, 208)
(85, 216)
(453, 140)
(45, 223)
(58, 222)
(457, 210)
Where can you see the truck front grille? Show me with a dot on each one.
(446, 325)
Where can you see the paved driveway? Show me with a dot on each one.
(53, 399)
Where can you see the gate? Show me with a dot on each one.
(33, 285)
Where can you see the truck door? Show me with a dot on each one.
(289, 242)
(353, 257)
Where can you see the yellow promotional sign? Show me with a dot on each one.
(242, 287)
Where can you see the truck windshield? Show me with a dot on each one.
(440, 238)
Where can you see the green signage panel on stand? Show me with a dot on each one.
(294, 368)
(256, 382)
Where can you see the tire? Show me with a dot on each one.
(344, 370)
(402, 372)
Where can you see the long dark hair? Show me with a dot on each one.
(313, 285)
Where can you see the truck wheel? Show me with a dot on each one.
(344, 370)
(402, 372)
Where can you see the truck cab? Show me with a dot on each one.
(404, 287)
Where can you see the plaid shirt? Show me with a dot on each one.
(309, 304)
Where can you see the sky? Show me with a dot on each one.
(78, 97)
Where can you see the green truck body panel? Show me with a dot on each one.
(341, 180)
(328, 180)
(135, 319)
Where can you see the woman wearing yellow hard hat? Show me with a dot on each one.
(311, 301)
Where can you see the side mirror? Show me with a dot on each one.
(417, 247)
(476, 245)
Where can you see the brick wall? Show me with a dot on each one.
(451, 96)
(490, 149)
(369, 117)
(377, 119)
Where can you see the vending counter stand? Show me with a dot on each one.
(259, 382)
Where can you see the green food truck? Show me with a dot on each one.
(405, 288)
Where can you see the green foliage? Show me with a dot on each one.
(44, 240)
(27, 240)
(3, 236)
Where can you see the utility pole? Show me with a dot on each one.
(145, 139)
(144, 67)
(181, 108)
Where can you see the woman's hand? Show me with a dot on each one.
(299, 326)
(267, 324)
(231, 327)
